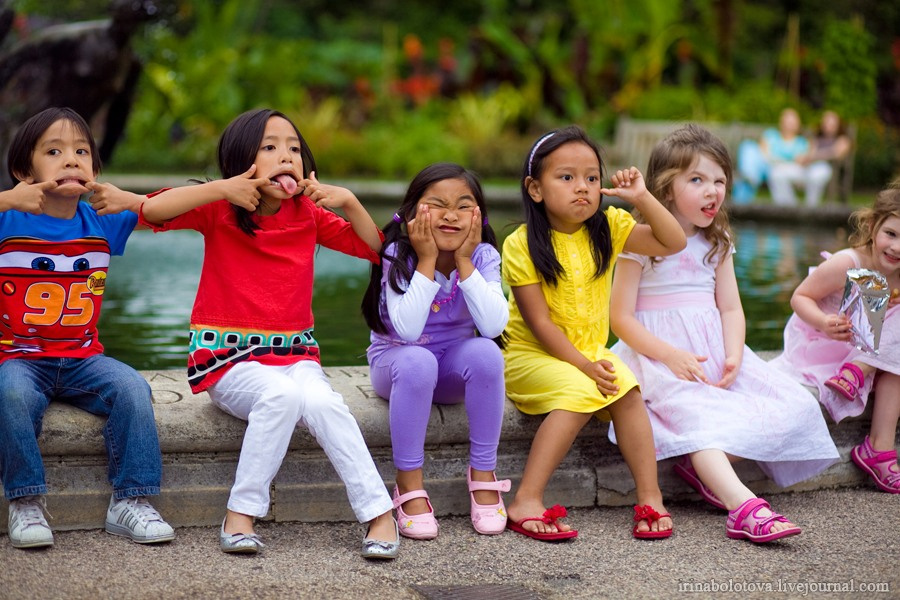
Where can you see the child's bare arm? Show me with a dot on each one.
(826, 279)
(662, 235)
(683, 364)
(333, 196)
(108, 199)
(26, 197)
(536, 314)
(734, 325)
(241, 190)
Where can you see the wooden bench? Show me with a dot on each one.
(635, 139)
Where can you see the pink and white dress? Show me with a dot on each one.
(812, 357)
(764, 416)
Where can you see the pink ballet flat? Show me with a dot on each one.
(881, 466)
(744, 522)
(685, 470)
(417, 527)
(487, 519)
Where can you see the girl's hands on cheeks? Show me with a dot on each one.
(324, 195)
(473, 238)
(729, 373)
(604, 375)
(29, 197)
(421, 236)
(685, 365)
(837, 327)
(243, 190)
(628, 184)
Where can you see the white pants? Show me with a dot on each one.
(784, 176)
(274, 400)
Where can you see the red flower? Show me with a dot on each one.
(553, 513)
(645, 512)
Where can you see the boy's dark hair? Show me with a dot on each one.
(403, 264)
(237, 151)
(21, 150)
(540, 246)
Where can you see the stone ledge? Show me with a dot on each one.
(200, 446)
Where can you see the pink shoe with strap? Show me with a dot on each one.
(487, 519)
(417, 527)
(847, 386)
(745, 522)
(881, 466)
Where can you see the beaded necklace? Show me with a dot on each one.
(436, 304)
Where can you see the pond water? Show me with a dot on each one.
(147, 305)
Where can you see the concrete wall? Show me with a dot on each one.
(200, 446)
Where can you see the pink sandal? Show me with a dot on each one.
(487, 519)
(745, 523)
(685, 470)
(881, 466)
(842, 384)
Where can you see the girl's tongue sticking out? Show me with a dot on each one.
(287, 182)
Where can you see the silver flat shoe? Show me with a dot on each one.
(379, 549)
(239, 543)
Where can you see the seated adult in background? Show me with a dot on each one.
(787, 153)
(831, 143)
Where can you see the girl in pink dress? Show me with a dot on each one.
(681, 328)
(818, 347)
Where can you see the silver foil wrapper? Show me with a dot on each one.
(865, 301)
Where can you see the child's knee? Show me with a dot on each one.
(415, 365)
(484, 357)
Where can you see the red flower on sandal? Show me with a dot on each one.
(553, 513)
(645, 512)
(549, 517)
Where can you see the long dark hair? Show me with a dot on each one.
(403, 264)
(540, 246)
(237, 151)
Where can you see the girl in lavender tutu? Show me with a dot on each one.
(433, 304)
(818, 345)
(681, 328)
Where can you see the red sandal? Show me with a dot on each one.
(881, 466)
(842, 384)
(646, 513)
(549, 517)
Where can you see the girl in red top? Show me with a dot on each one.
(252, 346)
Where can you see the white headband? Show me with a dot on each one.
(535, 149)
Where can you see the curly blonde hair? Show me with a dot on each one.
(677, 153)
(866, 221)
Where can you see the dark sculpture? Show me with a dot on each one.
(88, 66)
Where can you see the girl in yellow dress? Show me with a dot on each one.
(559, 266)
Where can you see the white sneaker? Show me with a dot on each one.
(27, 526)
(134, 518)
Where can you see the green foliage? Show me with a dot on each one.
(877, 154)
(524, 65)
(849, 69)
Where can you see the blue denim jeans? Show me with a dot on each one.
(101, 386)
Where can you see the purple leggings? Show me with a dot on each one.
(413, 377)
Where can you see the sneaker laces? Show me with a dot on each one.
(143, 509)
(31, 510)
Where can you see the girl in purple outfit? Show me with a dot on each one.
(433, 305)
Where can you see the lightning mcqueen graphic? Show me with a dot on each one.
(50, 294)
